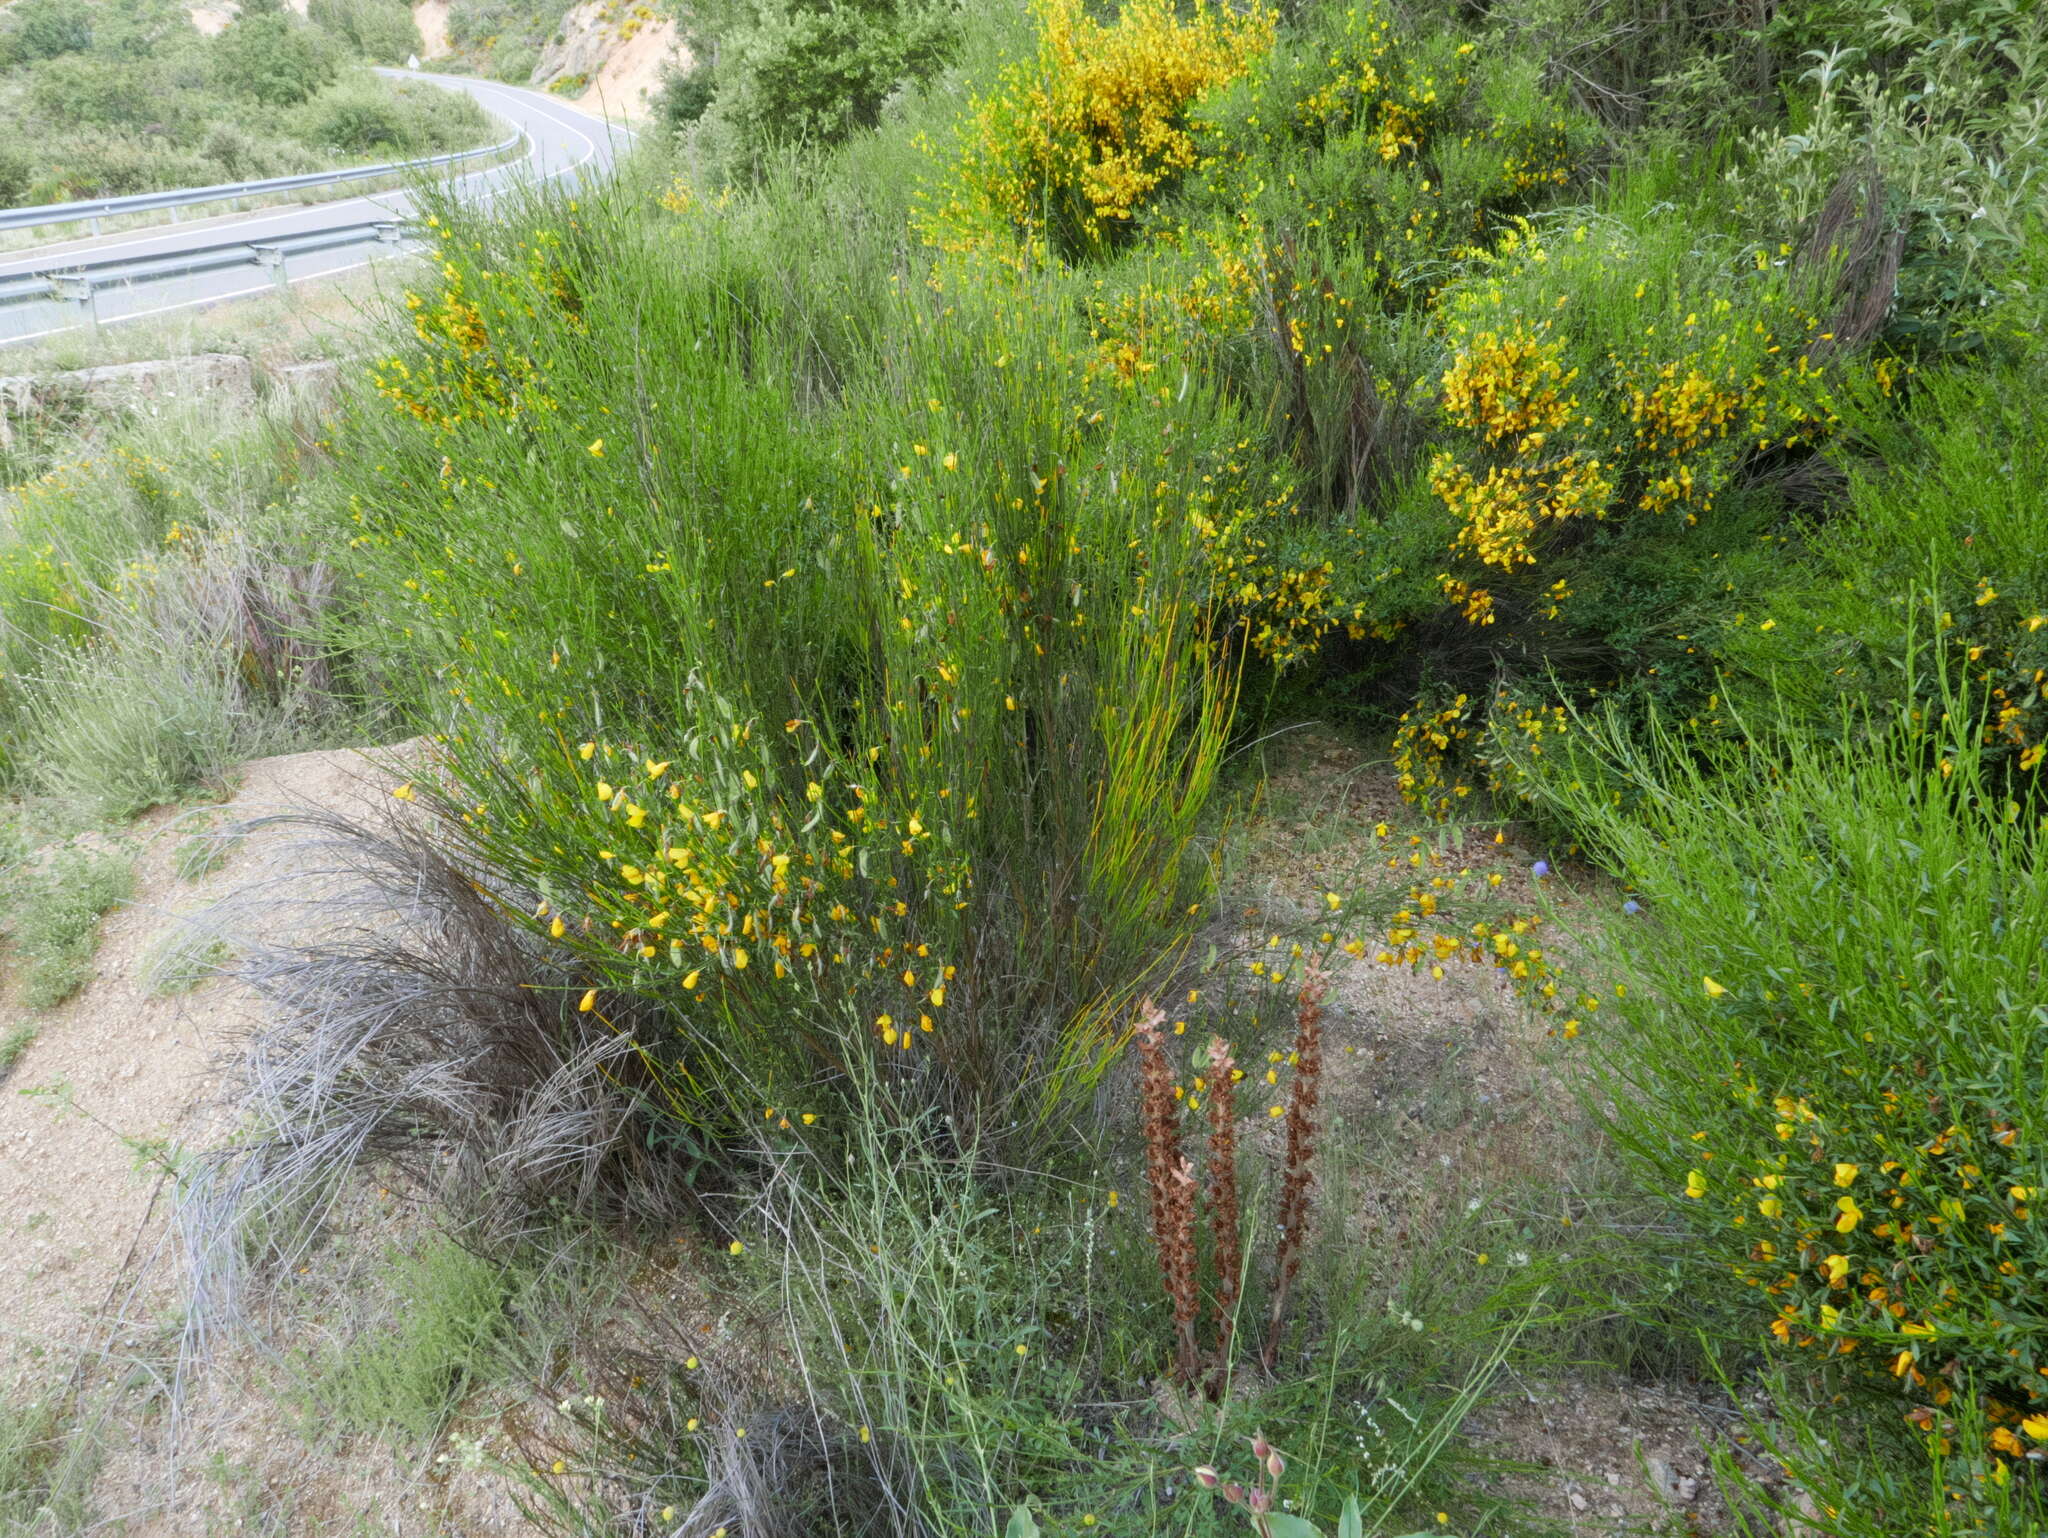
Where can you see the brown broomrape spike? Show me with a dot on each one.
(1301, 1149)
(1171, 1182)
(1223, 1211)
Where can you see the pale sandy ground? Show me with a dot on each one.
(1450, 1091)
(115, 1077)
(431, 17)
(625, 85)
(117, 1084)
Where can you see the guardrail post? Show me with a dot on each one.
(82, 292)
(93, 224)
(271, 260)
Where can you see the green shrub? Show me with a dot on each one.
(412, 1365)
(149, 643)
(843, 553)
(797, 72)
(1937, 104)
(239, 154)
(685, 95)
(53, 919)
(514, 65)
(273, 58)
(355, 120)
(1928, 553)
(381, 31)
(433, 119)
(99, 92)
(1825, 1054)
(102, 164)
(47, 29)
(487, 26)
(161, 30)
(1610, 391)
(16, 172)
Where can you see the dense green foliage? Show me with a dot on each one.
(1844, 946)
(382, 31)
(948, 685)
(502, 39)
(799, 74)
(100, 99)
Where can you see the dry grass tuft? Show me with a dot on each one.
(412, 1028)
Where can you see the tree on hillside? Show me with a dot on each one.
(381, 30)
(45, 29)
(140, 29)
(268, 55)
(810, 72)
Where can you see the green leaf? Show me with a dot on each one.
(1021, 1524)
(1352, 1523)
(1283, 1526)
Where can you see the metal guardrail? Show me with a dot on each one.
(94, 210)
(80, 283)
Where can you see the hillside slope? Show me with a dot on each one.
(605, 56)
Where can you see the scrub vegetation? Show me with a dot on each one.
(847, 573)
(99, 98)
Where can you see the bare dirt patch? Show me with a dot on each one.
(117, 1078)
(625, 83)
(431, 17)
(1448, 1089)
(119, 1081)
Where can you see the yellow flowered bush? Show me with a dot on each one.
(929, 559)
(1389, 145)
(461, 370)
(1339, 177)
(750, 863)
(1608, 389)
(1070, 148)
(1428, 741)
(1604, 372)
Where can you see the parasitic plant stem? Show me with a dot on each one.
(1301, 1149)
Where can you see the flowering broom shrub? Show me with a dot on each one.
(1827, 1046)
(1579, 395)
(1071, 148)
(849, 695)
(1394, 146)
(1613, 394)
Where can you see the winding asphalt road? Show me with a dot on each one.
(562, 143)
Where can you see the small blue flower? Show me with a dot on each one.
(1631, 907)
(1540, 869)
